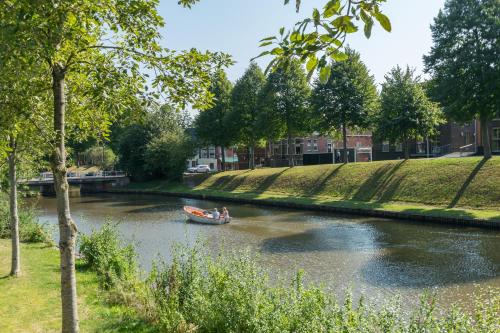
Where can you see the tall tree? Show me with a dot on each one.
(464, 62)
(19, 110)
(99, 46)
(245, 108)
(406, 111)
(212, 124)
(285, 99)
(347, 100)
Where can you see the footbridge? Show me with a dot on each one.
(88, 182)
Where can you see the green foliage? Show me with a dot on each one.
(30, 228)
(143, 148)
(318, 39)
(464, 61)
(114, 263)
(349, 97)
(245, 108)
(284, 101)
(406, 111)
(166, 155)
(212, 124)
(101, 156)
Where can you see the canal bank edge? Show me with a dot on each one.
(336, 207)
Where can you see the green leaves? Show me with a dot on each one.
(384, 21)
(324, 33)
(311, 63)
(331, 8)
(324, 74)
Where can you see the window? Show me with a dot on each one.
(385, 146)
(496, 140)
(204, 153)
(298, 151)
(211, 166)
(398, 147)
(309, 144)
(193, 163)
(315, 145)
(329, 147)
(212, 152)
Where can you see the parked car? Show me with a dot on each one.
(203, 168)
(192, 169)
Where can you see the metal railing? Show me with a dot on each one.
(73, 175)
(441, 150)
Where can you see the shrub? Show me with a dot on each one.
(30, 228)
(231, 293)
(103, 252)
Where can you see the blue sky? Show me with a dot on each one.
(236, 26)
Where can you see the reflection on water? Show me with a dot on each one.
(378, 257)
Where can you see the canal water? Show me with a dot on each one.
(376, 257)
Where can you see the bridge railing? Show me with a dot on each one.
(72, 174)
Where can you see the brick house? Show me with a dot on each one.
(453, 139)
(317, 149)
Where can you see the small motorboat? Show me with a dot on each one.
(202, 216)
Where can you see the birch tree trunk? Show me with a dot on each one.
(485, 138)
(14, 217)
(67, 228)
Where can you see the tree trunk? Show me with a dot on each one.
(407, 149)
(14, 218)
(223, 150)
(291, 159)
(252, 156)
(67, 228)
(344, 139)
(485, 138)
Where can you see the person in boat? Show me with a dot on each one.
(225, 214)
(216, 214)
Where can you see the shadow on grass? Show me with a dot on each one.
(375, 187)
(467, 182)
(320, 184)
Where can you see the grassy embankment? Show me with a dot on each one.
(467, 188)
(31, 303)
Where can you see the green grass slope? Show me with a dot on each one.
(466, 182)
(467, 187)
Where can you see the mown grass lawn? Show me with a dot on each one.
(450, 187)
(31, 303)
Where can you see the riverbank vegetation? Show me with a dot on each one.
(200, 293)
(30, 228)
(462, 187)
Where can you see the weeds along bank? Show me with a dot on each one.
(30, 228)
(197, 293)
(450, 182)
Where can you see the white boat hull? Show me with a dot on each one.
(196, 215)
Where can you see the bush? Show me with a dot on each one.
(30, 228)
(230, 293)
(104, 253)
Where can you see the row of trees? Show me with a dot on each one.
(465, 76)
(283, 106)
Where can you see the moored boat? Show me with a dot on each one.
(202, 216)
